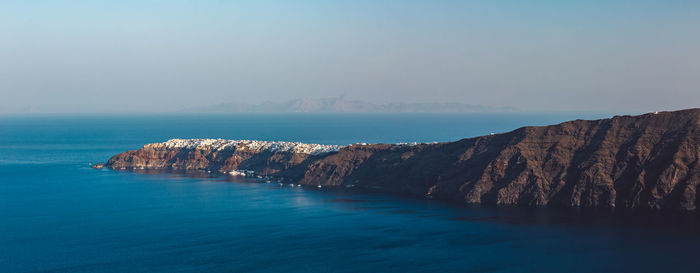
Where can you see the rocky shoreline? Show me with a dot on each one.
(645, 161)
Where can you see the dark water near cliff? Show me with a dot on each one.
(58, 215)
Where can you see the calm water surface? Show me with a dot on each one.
(58, 215)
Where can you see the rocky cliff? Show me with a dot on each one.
(646, 161)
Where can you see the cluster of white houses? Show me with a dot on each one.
(250, 145)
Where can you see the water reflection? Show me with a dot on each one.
(354, 200)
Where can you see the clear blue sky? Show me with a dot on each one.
(136, 56)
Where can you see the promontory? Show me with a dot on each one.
(645, 161)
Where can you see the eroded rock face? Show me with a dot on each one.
(647, 161)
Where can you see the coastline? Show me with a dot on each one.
(578, 163)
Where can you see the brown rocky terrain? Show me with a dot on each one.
(646, 161)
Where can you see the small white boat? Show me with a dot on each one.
(319, 186)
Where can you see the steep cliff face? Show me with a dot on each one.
(648, 161)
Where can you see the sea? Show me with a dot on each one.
(59, 215)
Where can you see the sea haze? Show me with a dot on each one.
(342, 105)
(59, 215)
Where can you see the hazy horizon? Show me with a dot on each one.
(164, 56)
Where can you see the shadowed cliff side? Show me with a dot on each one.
(646, 161)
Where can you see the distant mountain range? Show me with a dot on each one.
(341, 105)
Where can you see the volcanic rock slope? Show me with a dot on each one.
(646, 161)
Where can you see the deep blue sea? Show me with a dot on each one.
(59, 215)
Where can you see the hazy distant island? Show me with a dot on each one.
(342, 105)
(645, 161)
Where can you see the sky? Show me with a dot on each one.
(158, 56)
